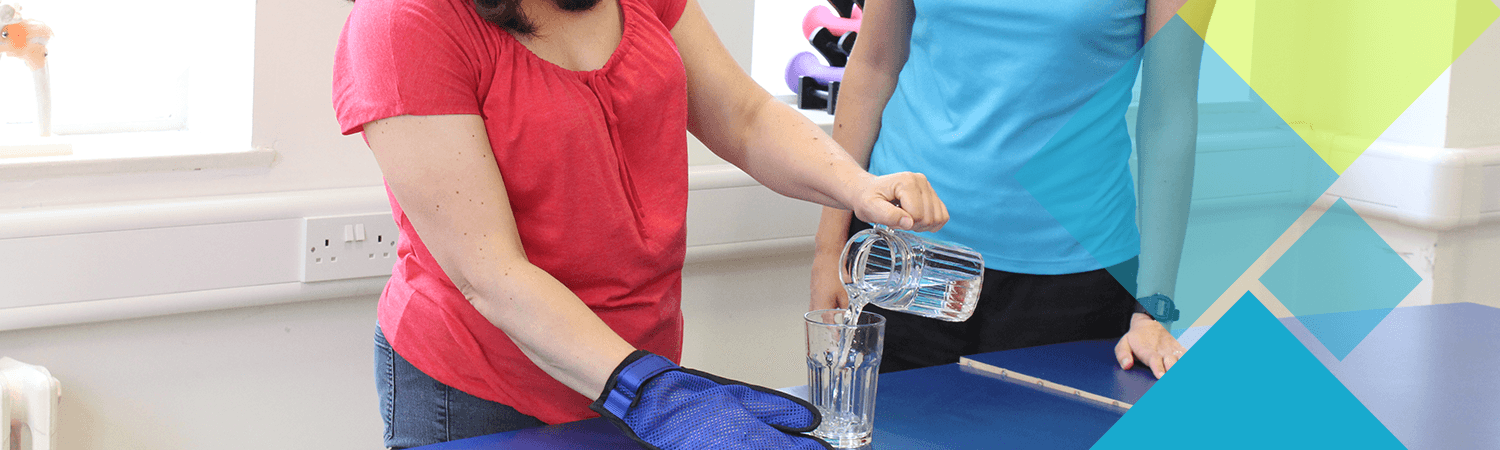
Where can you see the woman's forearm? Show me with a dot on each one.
(833, 230)
(866, 89)
(870, 76)
(868, 83)
(780, 147)
(431, 161)
(1167, 133)
(863, 95)
(560, 334)
(789, 154)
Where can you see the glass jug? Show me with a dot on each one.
(901, 271)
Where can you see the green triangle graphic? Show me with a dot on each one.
(1473, 17)
(1341, 71)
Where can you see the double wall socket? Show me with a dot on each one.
(353, 246)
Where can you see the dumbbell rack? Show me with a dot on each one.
(833, 36)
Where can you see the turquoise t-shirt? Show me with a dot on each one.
(989, 83)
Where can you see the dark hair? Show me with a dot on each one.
(507, 13)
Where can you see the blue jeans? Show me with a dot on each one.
(419, 410)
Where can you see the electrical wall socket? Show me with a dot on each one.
(353, 246)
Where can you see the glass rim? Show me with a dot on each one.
(809, 318)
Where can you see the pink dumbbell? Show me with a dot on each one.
(821, 17)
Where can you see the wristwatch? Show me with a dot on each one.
(1159, 307)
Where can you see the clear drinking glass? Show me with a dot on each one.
(901, 271)
(842, 363)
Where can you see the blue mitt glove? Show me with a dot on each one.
(666, 407)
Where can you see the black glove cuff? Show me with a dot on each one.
(1139, 308)
(1159, 307)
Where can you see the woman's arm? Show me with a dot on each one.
(442, 172)
(780, 147)
(1166, 134)
(869, 81)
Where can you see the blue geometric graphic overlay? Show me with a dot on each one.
(1253, 176)
(1340, 265)
(1341, 332)
(1249, 384)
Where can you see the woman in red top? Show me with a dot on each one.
(535, 156)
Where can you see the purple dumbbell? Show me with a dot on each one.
(806, 64)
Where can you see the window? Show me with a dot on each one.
(143, 78)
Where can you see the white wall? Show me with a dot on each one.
(294, 371)
(744, 318)
(1474, 117)
(1431, 184)
(297, 374)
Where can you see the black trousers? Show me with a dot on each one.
(1015, 310)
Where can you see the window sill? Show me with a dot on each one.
(161, 151)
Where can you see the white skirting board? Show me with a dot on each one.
(1430, 188)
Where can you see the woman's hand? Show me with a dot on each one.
(1150, 343)
(900, 200)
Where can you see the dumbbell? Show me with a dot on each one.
(816, 85)
(828, 45)
(806, 64)
(812, 95)
(845, 8)
(820, 17)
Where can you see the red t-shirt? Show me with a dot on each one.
(594, 163)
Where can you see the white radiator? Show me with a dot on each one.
(28, 406)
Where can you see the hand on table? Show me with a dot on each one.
(1149, 343)
(665, 407)
(900, 200)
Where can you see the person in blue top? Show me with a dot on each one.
(968, 92)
